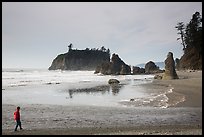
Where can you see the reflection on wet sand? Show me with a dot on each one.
(114, 88)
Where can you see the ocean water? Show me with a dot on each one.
(32, 86)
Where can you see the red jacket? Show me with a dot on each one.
(17, 115)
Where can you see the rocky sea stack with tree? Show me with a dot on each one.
(91, 59)
(191, 40)
(87, 59)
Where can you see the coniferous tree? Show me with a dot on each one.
(180, 28)
(193, 33)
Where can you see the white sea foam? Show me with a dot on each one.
(36, 77)
(156, 99)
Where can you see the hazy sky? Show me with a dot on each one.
(33, 34)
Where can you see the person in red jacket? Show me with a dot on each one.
(17, 118)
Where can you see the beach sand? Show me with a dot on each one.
(182, 117)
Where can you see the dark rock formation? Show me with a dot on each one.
(132, 99)
(104, 68)
(159, 64)
(80, 60)
(151, 68)
(138, 70)
(118, 66)
(170, 72)
(191, 59)
(58, 63)
(115, 67)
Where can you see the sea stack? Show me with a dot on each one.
(170, 72)
(115, 67)
(74, 59)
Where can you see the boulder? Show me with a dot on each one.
(170, 72)
(113, 81)
(132, 99)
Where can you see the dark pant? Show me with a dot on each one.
(18, 123)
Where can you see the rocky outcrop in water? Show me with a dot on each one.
(138, 70)
(59, 63)
(113, 81)
(151, 68)
(80, 59)
(170, 72)
(115, 67)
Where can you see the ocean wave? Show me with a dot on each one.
(12, 70)
(35, 77)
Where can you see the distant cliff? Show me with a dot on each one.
(87, 59)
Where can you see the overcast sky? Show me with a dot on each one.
(33, 34)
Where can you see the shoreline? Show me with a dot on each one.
(187, 88)
(184, 118)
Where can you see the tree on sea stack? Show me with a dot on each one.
(70, 47)
(170, 72)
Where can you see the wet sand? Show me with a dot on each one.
(187, 90)
(182, 118)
